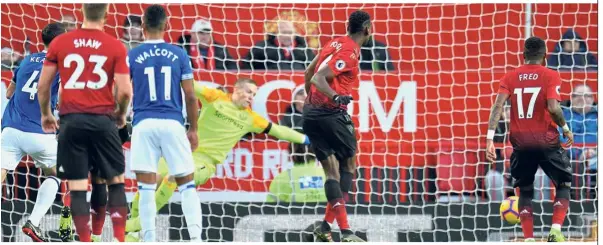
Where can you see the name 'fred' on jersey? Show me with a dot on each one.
(23, 109)
(529, 87)
(157, 69)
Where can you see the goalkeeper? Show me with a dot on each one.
(224, 119)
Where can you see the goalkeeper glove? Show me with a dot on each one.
(342, 99)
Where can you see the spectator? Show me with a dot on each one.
(571, 53)
(10, 59)
(374, 56)
(69, 21)
(132, 35)
(302, 183)
(282, 51)
(581, 118)
(204, 52)
(293, 114)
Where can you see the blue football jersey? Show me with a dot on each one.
(23, 110)
(157, 69)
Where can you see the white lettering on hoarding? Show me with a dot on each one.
(368, 98)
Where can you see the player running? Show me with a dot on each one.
(535, 116)
(327, 123)
(22, 135)
(158, 125)
(224, 119)
(90, 62)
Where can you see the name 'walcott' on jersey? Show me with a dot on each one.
(529, 88)
(342, 56)
(87, 60)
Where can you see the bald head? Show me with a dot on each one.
(286, 33)
(582, 99)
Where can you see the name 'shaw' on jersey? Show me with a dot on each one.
(529, 87)
(342, 56)
(87, 60)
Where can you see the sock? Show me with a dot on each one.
(191, 208)
(329, 214)
(148, 211)
(335, 198)
(80, 210)
(98, 203)
(345, 183)
(46, 195)
(560, 206)
(525, 211)
(118, 209)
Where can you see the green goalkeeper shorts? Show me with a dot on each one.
(205, 167)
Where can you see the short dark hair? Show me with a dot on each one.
(51, 31)
(132, 20)
(245, 80)
(301, 153)
(534, 48)
(155, 17)
(95, 11)
(358, 21)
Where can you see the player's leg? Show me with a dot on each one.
(98, 205)
(325, 155)
(164, 192)
(524, 165)
(343, 141)
(107, 152)
(73, 165)
(177, 151)
(11, 152)
(558, 167)
(146, 150)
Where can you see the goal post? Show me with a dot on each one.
(420, 112)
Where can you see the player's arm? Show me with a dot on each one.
(190, 98)
(552, 103)
(554, 109)
(261, 125)
(309, 74)
(122, 81)
(495, 113)
(320, 79)
(49, 70)
(10, 90)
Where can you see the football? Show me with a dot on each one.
(509, 210)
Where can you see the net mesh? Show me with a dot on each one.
(428, 79)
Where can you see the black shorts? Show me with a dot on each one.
(89, 143)
(331, 135)
(554, 162)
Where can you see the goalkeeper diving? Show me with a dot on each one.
(223, 121)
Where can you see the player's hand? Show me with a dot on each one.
(120, 118)
(49, 124)
(342, 99)
(193, 139)
(570, 138)
(490, 151)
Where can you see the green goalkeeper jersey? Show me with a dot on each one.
(222, 124)
(302, 183)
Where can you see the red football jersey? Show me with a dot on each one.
(87, 60)
(529, 88)
(342, 56)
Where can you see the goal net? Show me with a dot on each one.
(428, 79)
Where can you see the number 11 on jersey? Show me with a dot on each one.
(167, 75)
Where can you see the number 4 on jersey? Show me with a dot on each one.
(30, 86)
(519, 93)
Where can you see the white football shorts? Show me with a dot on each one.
(16, 144)
(153, 138)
